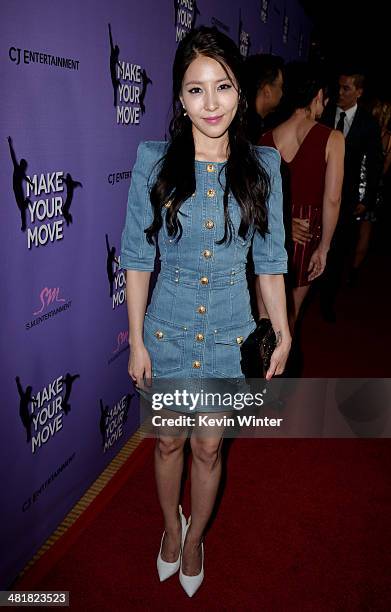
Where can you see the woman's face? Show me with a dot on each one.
(209, 97)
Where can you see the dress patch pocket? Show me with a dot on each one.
(165, 343)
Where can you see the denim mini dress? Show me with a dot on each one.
(199, 313)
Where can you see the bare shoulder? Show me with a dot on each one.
(335, 143)
(336, 139)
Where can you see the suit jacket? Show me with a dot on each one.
(363, 139)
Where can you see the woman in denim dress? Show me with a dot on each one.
(205, 198)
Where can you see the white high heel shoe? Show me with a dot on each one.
(191, 583)
(164, 568)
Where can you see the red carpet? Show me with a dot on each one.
(302, 524)
(358, 345)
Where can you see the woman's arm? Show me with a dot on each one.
(270, 264)
(137, 258)
(335, 153)
(137, 285)
(272, 287)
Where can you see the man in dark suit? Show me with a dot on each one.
(363, 165)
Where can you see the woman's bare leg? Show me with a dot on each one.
(205, 479)
(168, 474)
(298, 295)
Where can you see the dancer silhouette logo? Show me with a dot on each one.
(130, 82)
(116, 277)
(42, 413)
(186, 13)
(112, 420)
(45, 204)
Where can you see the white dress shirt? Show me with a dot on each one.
(348, 118)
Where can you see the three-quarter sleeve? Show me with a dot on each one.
(136, 252)
(269, 254)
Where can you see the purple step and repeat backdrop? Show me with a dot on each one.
(82, 84)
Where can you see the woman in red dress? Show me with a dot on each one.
(312, 163)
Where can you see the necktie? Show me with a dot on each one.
(341, 122)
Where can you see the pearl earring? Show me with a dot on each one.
(184, 112)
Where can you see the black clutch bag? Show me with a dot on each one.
(257, 350)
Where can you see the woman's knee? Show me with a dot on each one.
(206, 451)
(168, 446)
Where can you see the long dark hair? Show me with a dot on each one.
(244, 176)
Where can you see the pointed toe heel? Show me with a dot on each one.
(191, 584)
(167, 569)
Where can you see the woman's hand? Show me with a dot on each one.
(140, 365)
(300, 230)
(279, 357)
(317, 263)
